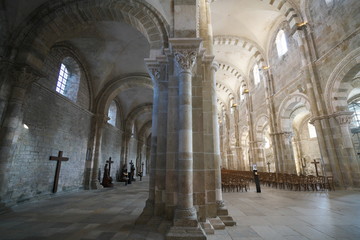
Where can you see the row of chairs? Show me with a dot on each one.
(297, 183)
(233, 180)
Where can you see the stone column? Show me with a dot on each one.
(216, 134)
(329, 158)
(99, 124)
(148, 212)
(279, 168)
(349, 164)
(185, 54)
(160, 172)
(288, 160)
(252, 142)
(22, 78)
(269, 94)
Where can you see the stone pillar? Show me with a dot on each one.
(279, 167)
(161, 150)
(22, 77)
(349, 164)
(185, 54)
(288, 160)
(221, 209)
(329, 158)
(269, 94)
(99, 124)
(149, 211)
(252, 142)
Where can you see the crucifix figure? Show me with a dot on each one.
(59, 159)
(316, 169)
(109, 162)
(268, 163)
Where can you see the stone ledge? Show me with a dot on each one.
(188, 233)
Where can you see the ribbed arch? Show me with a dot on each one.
(247, 44)
(236, 72)
(223, 87)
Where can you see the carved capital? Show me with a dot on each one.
(287, 135)
(156, 69)
(343, 117)
(185, 59)
(185, 52)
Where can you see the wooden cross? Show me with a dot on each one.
(268, 163)
(316, 169)
(59, 159)
(109, 162)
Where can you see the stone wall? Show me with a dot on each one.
(330, 26)
(111, 147)
(55, 124)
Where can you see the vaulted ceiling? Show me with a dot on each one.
(242, 30)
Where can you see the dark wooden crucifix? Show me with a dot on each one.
(59, 159)
(109, 162)
(316, 169)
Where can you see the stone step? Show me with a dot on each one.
(227, 220)
(208, 228)
(222, 212)
(217, 223)
(164, 226)
(186, 233)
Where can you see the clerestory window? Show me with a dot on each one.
(312, 130)
(112, 113)
(68, 80)
(62, 79)
(281, 43)
(256, 73)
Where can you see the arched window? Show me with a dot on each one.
(62, 79)
(112, 113)
(266, 143)
(256, 73)
(355, 123)
(281, 44)
(242, 96)
(133, 130)
(69, 78)
(312, 130)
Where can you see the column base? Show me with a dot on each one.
(223, 214)
(188, 233)
(186, 218)
(147, 213)
(95, 184)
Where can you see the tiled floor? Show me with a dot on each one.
(109, 214)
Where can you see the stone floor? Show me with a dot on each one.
(109, 214)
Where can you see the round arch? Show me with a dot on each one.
(339, 84)
(51, 20)
(288, 105)
(113, 88)
(132, 116)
